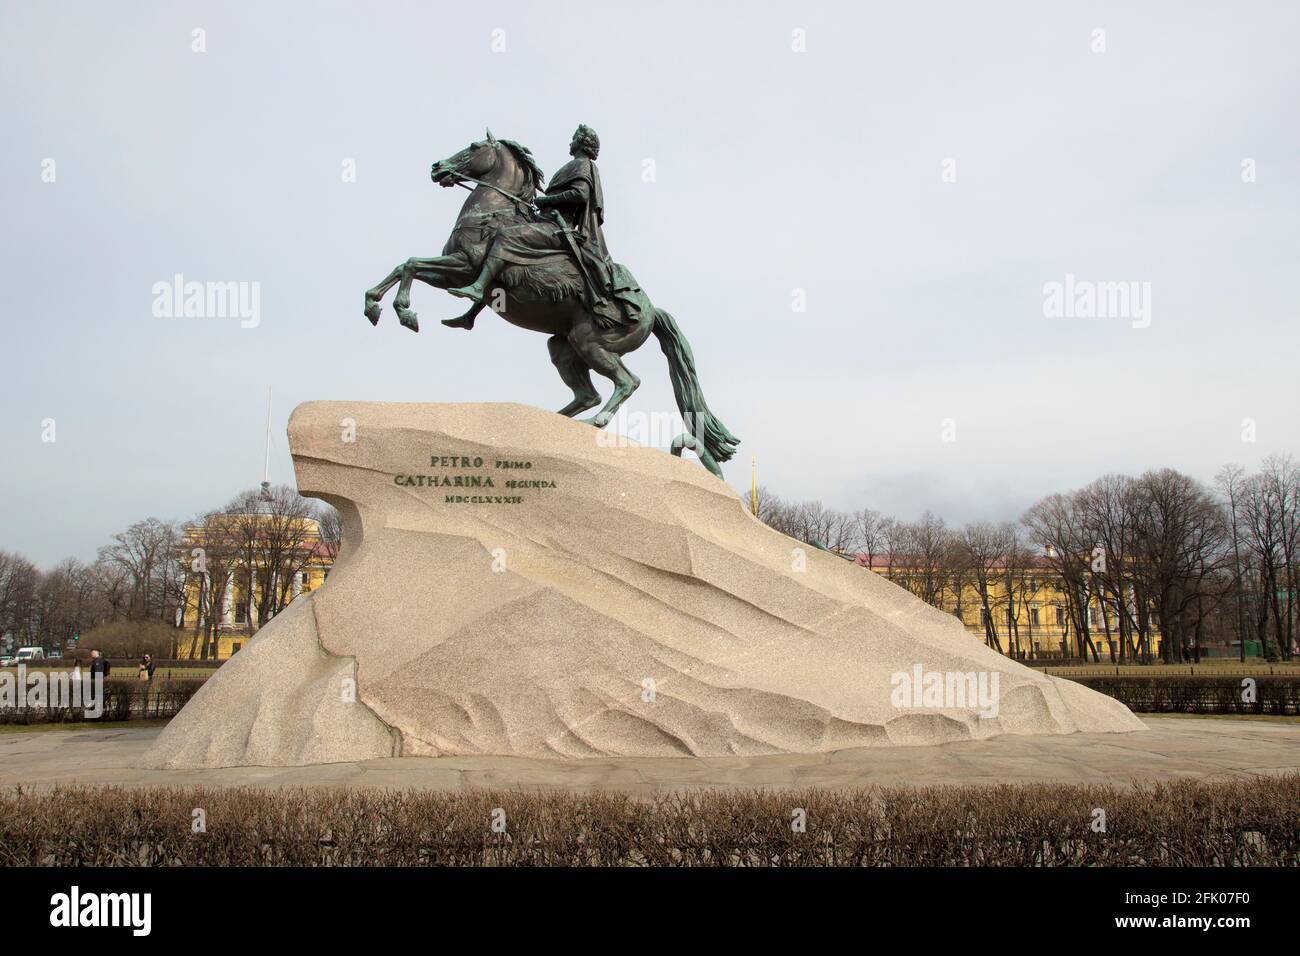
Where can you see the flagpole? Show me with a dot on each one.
(266, 464)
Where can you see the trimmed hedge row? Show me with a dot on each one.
(1151, 694)
(123, 700)
(128, 699)
(1185, 823)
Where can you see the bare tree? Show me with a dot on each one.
(1281, 487)
(145, 554)
(767, 504)
(1268, 517)
(1056, 523)
(984, 548)
(921, 554)
(331, 530)
(1108, 509)
(871, 533)
(825, 527)
(19, 581)
(1179, 543)
(808, 521)
(1024, 578)
(212, 556)
(1229, 481)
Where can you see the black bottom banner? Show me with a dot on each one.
(337, 904)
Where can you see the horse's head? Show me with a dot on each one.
(500, 162)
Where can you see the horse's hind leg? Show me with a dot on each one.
(576, 375)
(600, 359)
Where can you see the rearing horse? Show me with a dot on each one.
(549, 298)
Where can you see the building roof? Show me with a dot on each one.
(883, 562)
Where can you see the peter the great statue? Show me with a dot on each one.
(540, 262)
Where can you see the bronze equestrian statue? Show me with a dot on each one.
(540, 262)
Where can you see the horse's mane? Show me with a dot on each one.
(525, 158)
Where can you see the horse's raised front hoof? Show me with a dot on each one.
(600, 421)
(372, 310)
(409, 319)
(463, 322)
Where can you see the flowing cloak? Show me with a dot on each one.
(576, 185)
(578, 181)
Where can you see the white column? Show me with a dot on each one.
(252, 599)
(227, 612)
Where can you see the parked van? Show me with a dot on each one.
(30, 655)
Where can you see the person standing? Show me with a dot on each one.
(99, 666)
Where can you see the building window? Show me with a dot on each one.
(241, 612)
(1033, 616)
(234, 648)
(1060, 617)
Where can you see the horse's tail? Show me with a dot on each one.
(706, 433)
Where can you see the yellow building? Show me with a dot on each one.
(1029, 607)
(241, 568)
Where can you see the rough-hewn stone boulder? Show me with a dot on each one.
(514, 582)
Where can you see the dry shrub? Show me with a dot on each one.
(1184, 823)
(1198, 695)
(124, 699)
(131, 639)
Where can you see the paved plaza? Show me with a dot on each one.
(1172, 748)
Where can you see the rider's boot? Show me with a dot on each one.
(477, 290)
(465, 321)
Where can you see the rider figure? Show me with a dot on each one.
(572, 204)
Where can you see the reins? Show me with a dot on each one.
(461, 178)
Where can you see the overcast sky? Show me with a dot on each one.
(920, 171)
